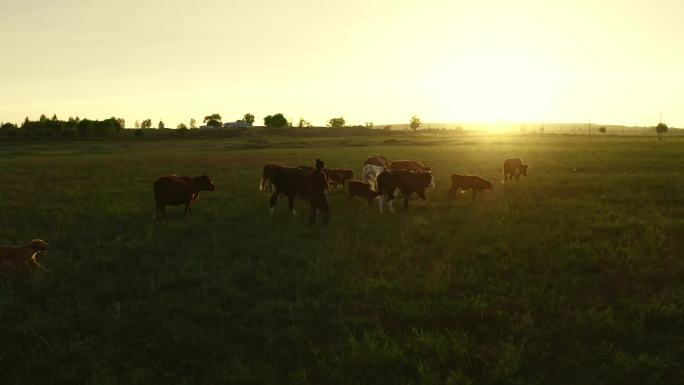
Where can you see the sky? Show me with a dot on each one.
(381, 61)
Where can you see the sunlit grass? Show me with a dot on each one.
(569, 275)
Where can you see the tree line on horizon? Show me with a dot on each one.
(76, 127)
(72, 127)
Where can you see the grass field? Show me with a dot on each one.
(573, 275)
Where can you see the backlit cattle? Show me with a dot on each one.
(338, 176)
(392, 182)
(289, 181)
(369, 174)
(267, 176)
(513, 168)
(174, 190)
(377, 160)
(361, 189)
(468, 182)
(408, 165)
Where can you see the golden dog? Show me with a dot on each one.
(23, 254)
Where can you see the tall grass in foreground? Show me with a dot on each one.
(572, 275)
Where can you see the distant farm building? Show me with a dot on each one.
(238, 124)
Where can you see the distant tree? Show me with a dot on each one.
(122, 122)
(161, 124)
(303, 123)
(213, 120)
(275, 121)
(248, 118)
(415, 123)
(182, 126)
(336, 122)
(661, 128)
(43, 118)
(147, 123)
(54, 117)
(9, 129)
(369, 124)
(137, 124)
(193, 123)
(602, 130)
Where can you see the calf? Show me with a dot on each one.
(377, 160)
(174, 190)
(514, 167)
(391, 182)
(289, 181)
(469, 182)
(408, 165)
(361, 189)
(370, 173)
(339, 176)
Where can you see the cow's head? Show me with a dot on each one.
(204, 183)
(524, 168)
(489, 185)
(427, 179)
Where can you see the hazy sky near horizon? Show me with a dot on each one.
(611, 61)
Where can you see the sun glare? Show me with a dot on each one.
(491, 87)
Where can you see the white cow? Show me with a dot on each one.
(370, 173)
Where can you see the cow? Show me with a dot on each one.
(289, 181)
(174, 190)
(468, 182)
(361, 189)
(391, 182)
(377, 160)
(267, 176)
(369, 174)
(339, 176)
(514, 167)
(408, 165)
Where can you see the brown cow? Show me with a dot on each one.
(174, 190)
(409, 165)
(339, 176)
(377, 160)
(469, 182)
(514, 167)
(361, 189)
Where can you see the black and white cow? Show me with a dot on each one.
(392, 182)
(289, 181)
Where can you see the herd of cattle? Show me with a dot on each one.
(381, 181)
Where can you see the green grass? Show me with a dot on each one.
(570, 276)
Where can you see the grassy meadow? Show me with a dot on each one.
(573, 275)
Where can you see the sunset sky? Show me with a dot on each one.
(611, 61)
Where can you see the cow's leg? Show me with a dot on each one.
(381, 201)
(406, 199)
(188, 210)
(272, 201)
(157, 212)
(290, 204)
